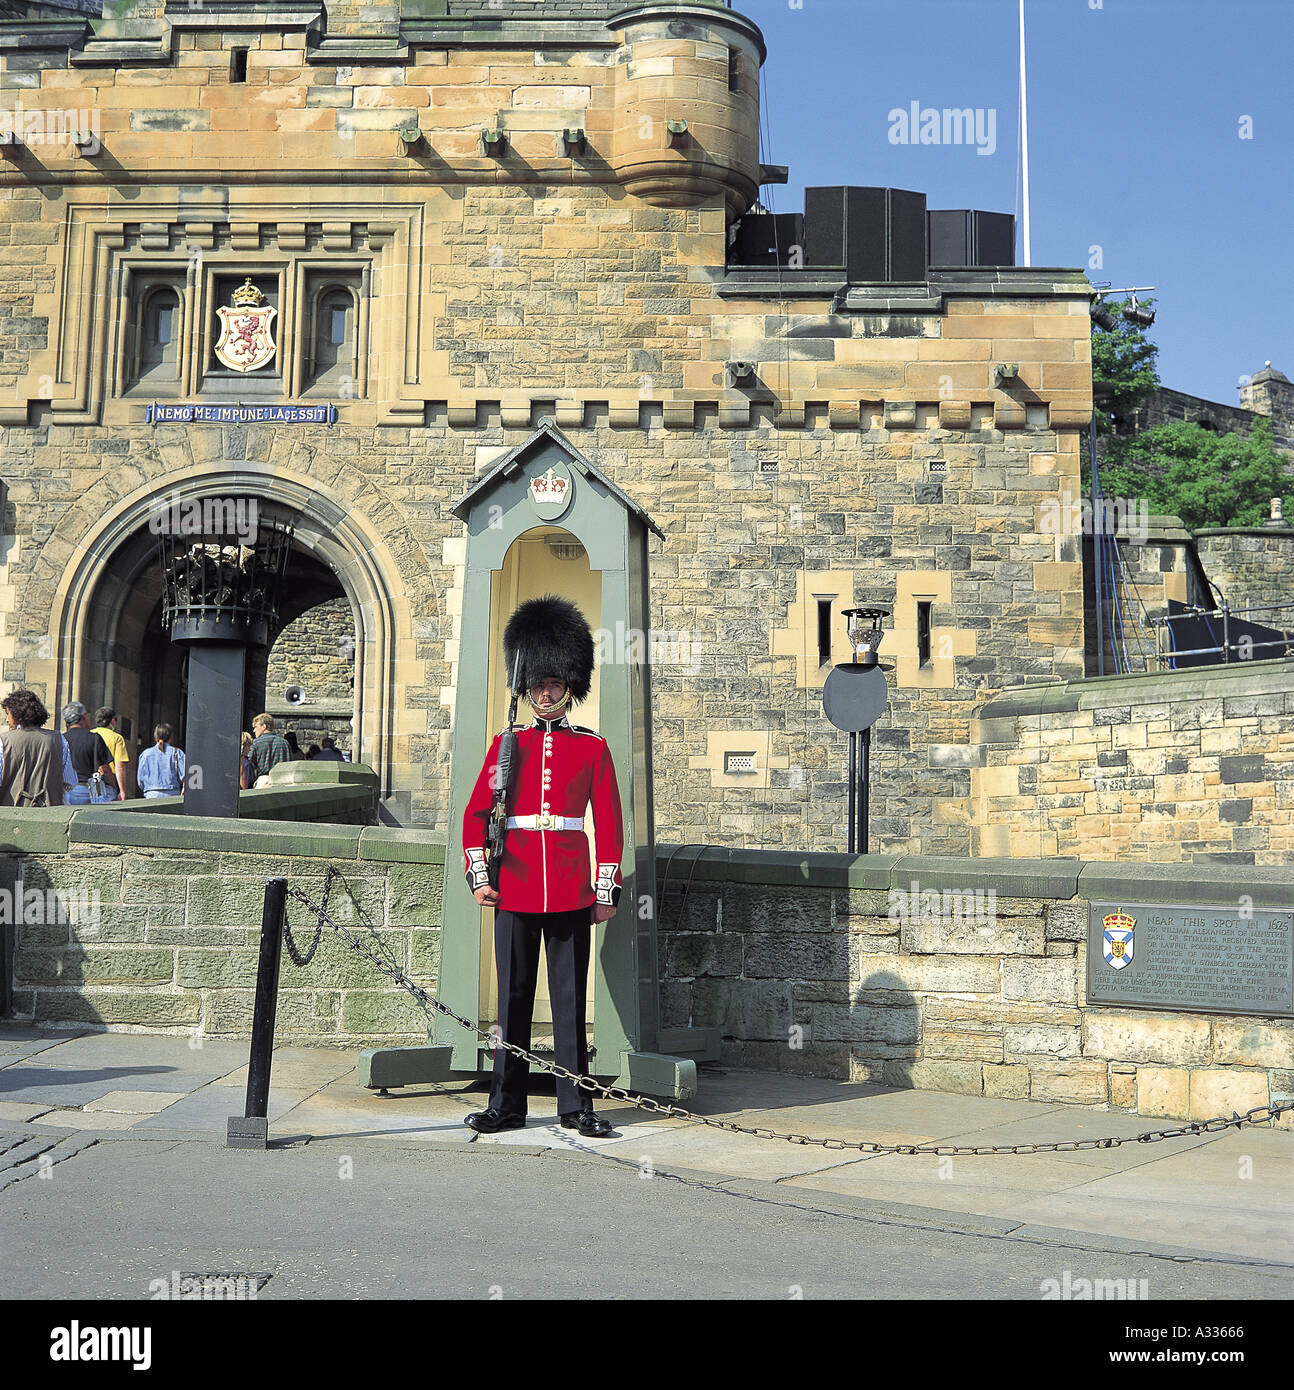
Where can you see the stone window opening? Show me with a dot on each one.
(331, 340)
(923, 631)
(824, 632)
(154, 330)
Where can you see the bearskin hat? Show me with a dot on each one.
(553, 639)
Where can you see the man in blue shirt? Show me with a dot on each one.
(161, 767)
(328, 751)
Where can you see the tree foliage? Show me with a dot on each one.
(1124, 374)
(1207, 479)
(1180, 469)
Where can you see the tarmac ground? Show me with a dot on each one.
(114, 1176)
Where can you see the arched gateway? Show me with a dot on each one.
(107, 645)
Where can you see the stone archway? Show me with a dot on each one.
(107, 599)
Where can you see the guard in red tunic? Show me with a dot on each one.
(544, 885)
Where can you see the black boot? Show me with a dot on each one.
(491, 1121)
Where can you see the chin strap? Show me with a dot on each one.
(555, 712)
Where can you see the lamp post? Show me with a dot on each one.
(853, 699)
(219, 598)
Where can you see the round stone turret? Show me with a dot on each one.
(687, 105)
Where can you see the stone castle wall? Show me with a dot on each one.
(315, 651)
(1265, 395)
(1181, 767)
(873, 457)
(824, 979)
(800, 963)
(1252, 567)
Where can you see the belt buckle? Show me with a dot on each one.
(545, 821)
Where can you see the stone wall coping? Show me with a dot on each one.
(1059, 879)
(309, 772)
(711, 12)
(35, 829)
(1276, 533)
(388, 844)
(105, 827)
(1023, 878)
(928, 296)
(27, 35)
(1273, 676)
(1268, 886)
(154, 824)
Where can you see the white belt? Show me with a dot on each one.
(545, 822)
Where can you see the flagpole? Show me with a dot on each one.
(1024, 138)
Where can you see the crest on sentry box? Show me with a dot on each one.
(245, 339)
(1119, 927)
(550, 492)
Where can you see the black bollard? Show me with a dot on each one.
(251, 1130)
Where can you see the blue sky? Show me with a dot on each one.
(1135, 121)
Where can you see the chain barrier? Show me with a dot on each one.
(1260, 1114)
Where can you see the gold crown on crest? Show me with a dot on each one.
(1119, 921)
(247, 296)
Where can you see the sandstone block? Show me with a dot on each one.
(1076, 1083)
(1051, 980)
(941, 974)
(1163, 1091)
(1214, 1092)
(1253, 1044)
(1175, 1040)
(1006, 1082)
(1054, 1040)
(958, 1078)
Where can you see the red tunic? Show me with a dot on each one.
(558, 770)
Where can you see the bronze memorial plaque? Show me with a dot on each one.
(1201, 959)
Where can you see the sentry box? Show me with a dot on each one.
(545, 519)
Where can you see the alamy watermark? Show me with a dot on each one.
(205, 516)
(42, 907)
(941, 907)
(61, 126)
(929, 125)
(1067, 515)
(1069, 1288)
(632, 646)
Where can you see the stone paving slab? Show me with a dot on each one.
(133, 1102)
(1187, 1192)
(210, 1108)
(88, 1119)
(22, 1109)
(19, 1040)
(1126, 1210)
(67, 1086)
(301, 1066)
(1041, 1128)
(184, 1052)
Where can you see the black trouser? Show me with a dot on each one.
(566, 938)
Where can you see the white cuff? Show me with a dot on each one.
(606, 888)
(477, 874)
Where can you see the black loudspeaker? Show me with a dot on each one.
(869, 233)
(767, 239)
(964, 237)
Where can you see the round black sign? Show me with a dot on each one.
(854, 696)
